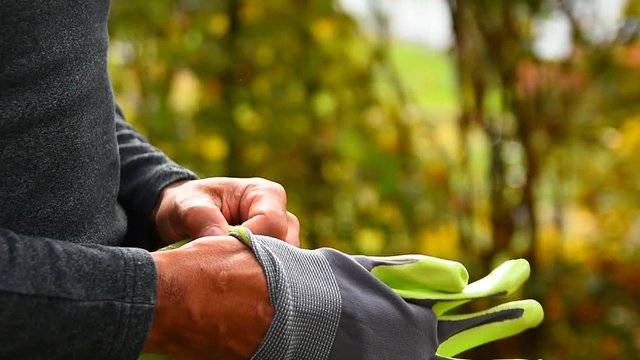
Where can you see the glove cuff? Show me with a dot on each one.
(305, 297)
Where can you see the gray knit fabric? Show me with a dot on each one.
(77, 186)
(306, 299)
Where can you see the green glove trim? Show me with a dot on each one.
(154, 357)
(174, 245)
(241, 233)
(420, 273)
(531, 315)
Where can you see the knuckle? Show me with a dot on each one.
(293, 219)
(187, 206)
(268, 184)
(277, 189)
(189, 211)
(276, 224)
(275, 215)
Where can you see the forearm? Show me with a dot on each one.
(212, 301)
(60, 300)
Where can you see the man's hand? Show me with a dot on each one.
(197, 208)
(212, 301)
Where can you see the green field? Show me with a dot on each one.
(429, 78)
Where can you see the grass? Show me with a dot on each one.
(429, 77)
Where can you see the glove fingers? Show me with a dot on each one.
(416, 273)
(503, 280)
(458, 333)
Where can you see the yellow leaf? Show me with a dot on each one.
(184, 96)
(323, 29)
(548, 244)
(442, 241)
(214, 148)
(369, 241)
(247, 118)
(629, 144)
(251, 12)
(218, 25)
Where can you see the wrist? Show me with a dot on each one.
(162, 338)
(211, 301)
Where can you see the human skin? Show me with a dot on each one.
(212, 301)
(196, 208)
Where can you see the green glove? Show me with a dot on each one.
(412, 277)
(442, 284)
(420, 277)
(519, 316)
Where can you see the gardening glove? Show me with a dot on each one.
(330, 305)
(410, 276)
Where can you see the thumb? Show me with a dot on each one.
(193, 217)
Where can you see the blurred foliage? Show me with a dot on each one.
(531, 158)
(286, 91)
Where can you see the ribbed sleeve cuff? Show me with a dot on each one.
(62, 300)
(306, 300)
(137, 313)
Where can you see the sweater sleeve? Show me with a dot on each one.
(61, 300)
(144, 172)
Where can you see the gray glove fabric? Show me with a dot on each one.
(328, 305)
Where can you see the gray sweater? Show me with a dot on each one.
(77, 186)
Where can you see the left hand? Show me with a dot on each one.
(197, 208)
(337, 306)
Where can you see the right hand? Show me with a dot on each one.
(330, 305)
(212, 301)
(206, 207)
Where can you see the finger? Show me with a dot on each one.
(194, 216)
(293, 230)
(502, 281)
(265, 209)
(269, 222)
(420, 272)
(458, 333)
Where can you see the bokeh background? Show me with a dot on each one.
(471, 130)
